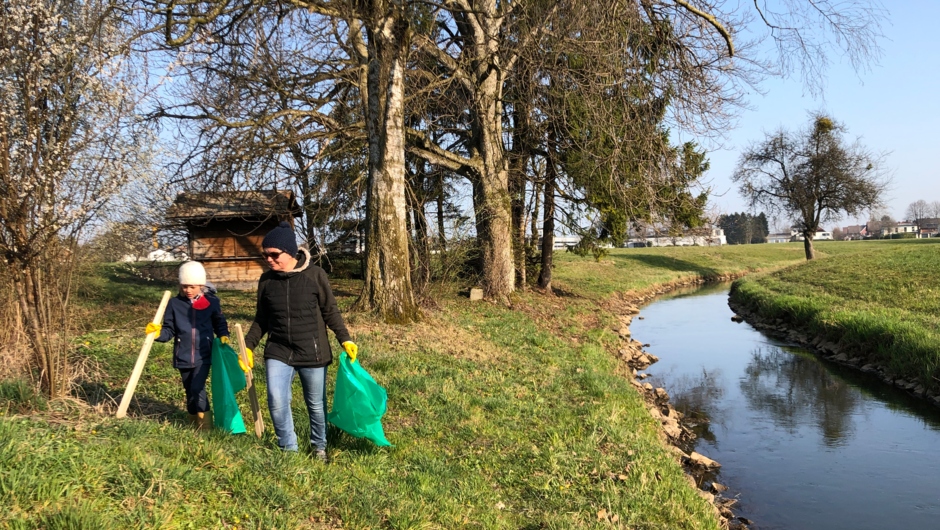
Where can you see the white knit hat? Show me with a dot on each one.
(192, 273)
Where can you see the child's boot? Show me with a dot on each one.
(204, 421)
(194, 421)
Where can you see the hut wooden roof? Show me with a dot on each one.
(234, 204)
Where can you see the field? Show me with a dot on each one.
(501, 418)
(879, 299)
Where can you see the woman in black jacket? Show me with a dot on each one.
(295, 306)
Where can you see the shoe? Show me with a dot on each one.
(321, 456)
(204, 421)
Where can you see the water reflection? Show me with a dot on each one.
(698, 397)
(803, 443)
(794, 390)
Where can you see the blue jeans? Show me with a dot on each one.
(279, 378)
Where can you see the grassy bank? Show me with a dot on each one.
(501, 418)
(877, 299)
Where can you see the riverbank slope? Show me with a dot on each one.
(501, 418)
(874, 305)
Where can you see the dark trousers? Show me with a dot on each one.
(194, 382)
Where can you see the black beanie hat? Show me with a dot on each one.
(281, 237)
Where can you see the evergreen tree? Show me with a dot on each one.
(744, 228)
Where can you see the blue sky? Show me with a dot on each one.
(894, 107)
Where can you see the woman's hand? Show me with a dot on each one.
(351, 350)
(251, 360)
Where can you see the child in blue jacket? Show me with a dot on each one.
(192, 318)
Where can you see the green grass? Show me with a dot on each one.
(638, 268)
(501, 418)
(879, 299)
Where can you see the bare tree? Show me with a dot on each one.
(812, 175)
(466, 56)
(68, 142)
(935, 209)
(480, 48)
(337, 79)
(917, 210)
(388, 288)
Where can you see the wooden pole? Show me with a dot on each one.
(142, 359)
(250, 382)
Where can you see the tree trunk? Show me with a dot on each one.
(422, 275)
(492, 201)
(808, 246)
(517, 186)
(387, 289)
(46, 354)
(441, 236)
(548, 227)
(310, 209)
(536, 198)
(517, 192)
(422, 263)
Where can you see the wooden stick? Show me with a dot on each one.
(142, 359)
(250, 382)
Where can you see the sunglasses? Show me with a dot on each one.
(274, 256)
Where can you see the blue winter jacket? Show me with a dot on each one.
(192, 329)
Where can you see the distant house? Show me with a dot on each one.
(853, 232)
(901, 227)
(871, 229)
(701, 237)
(778, 238)
(563, 242)
(173, 254)
(821, 235)
(568, 242)
(929, 226)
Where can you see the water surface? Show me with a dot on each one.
(803, 443)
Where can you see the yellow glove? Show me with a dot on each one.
(351, 350)
(153, 328)
(251, 360)
(224, 339)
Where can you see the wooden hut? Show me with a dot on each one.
(225, 230)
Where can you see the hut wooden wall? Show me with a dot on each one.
(234, 274)
(230, 250)
(231, 238)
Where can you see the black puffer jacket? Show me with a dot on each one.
(294, 309)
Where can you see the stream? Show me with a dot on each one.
(803, 443)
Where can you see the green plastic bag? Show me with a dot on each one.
(227, 378)
(358, 403)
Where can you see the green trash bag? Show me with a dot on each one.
(358, 403)
(227, 378)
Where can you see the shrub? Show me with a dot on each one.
(19, 394)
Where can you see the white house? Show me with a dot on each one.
(708, 237)
(901, 227)
(821, 235)
(563, 242)
(176, 254)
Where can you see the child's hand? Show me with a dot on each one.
(224, 339)
(153, 328)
